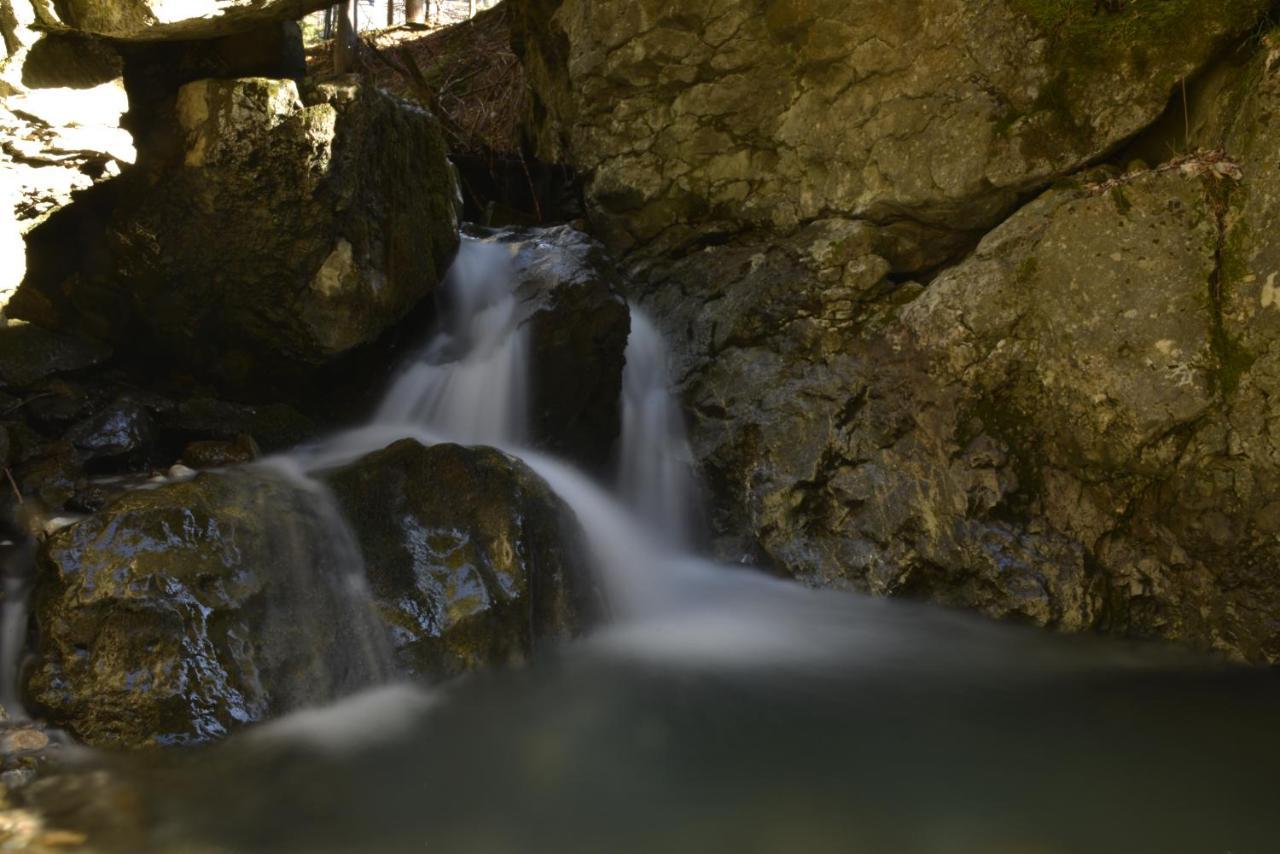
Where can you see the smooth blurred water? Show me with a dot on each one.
(656, 463)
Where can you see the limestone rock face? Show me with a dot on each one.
(292, 230)
(63, 93)
(62, 100)
(176, 614)
(1068, 428)
(154, 20)
(472, 560)
(727, 113)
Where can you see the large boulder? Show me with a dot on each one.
(578, 323)
(1069, 428)
(72, 102)
(472, 560)
(294, 227)
(155, 20)
(62, 104)
(707, 117)
(179, 613)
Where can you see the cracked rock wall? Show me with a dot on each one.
(732, 113)
(1071, 423)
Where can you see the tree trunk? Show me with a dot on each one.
(471, 8)
(344, 46)
(415, 11)
(391, 13)
(328, 23)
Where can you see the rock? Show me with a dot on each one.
(57, 404)
(705, 119)
(29, 354)
(125, 428)
(333, 215)
(180, 612)
(23, 740)
(156, 20)
(62, 102)
(1065, 429)
(53, 475)
(17, 778)
(472, 560)
(216, 454)
(274, 427)
(578, 325)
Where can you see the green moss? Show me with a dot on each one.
(999, 417)
(1234, 360)
(1086, 30)
(1027, 270)
(1233, 357)
(1089, 39)
(1122, 203)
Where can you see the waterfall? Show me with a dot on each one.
(467, 385)
(17, 559)
(656, 463)
(470, 379)
(321, 597)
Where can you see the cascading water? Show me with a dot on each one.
(469, 381)
(656, 463)
(723, 711)
(17, 558)
(467, 385)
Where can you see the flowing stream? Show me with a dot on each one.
(722, 710)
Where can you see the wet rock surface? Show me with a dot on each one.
(471, 558)
(578, 325)
(178, 613)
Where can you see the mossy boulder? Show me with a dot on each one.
(736, 113)
(472, 560)
(289, 229)
(156, 20)
(178, 613)
(29, 354)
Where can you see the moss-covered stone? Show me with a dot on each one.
(288, 234)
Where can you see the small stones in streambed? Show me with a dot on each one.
(180, 473)
(23, 740)
(16, 778)
(216, 454)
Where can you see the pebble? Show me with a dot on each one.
(17, 778)
(18, 829)
(61, 839)
(22, 740)
(179, 472)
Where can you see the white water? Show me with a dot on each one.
(467, 385)
(13, 626)
(656, 463)
(469, 381)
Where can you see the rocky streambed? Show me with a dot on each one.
(971, 304)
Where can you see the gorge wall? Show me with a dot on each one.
(969, 305)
